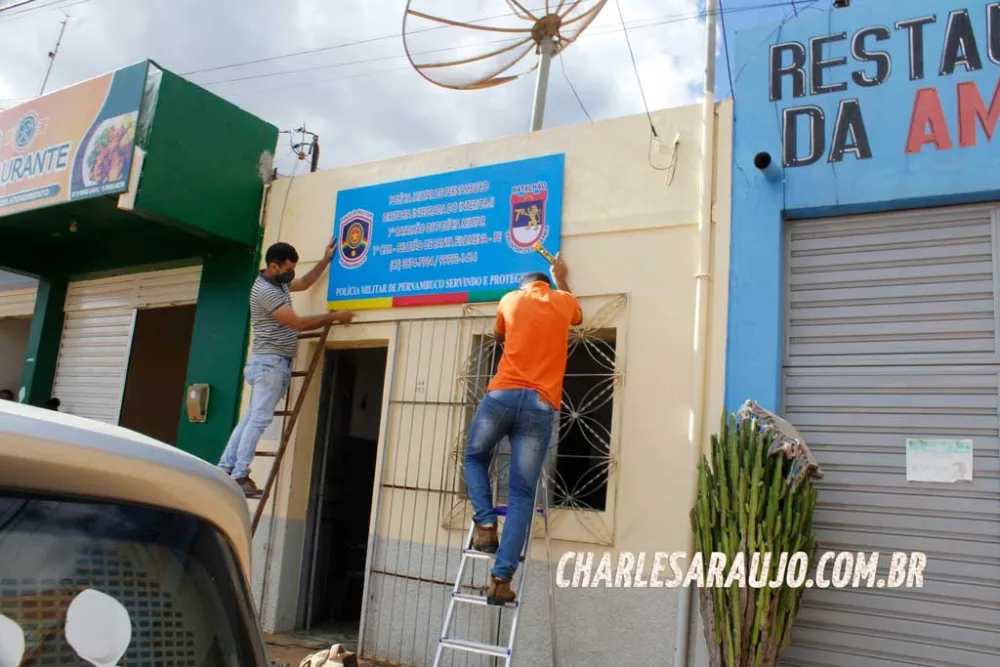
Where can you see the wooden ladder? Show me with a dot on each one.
(290, 416)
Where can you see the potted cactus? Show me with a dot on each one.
(754, 496)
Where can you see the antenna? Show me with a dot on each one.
(496, 44)
(52, 56)
(303, 149)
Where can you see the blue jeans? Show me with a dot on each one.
(527, 420)
(268, 376)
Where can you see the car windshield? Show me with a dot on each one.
(95, 583)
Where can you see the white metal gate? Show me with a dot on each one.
(891, 333)
(97, 335)
(441, 369)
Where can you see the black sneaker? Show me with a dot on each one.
(250, 489)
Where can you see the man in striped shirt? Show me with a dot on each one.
(268, 370)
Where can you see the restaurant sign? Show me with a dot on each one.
(930, 51)
(72, 144)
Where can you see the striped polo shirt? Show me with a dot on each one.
(269, 335)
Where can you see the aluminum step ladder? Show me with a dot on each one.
(504, 652)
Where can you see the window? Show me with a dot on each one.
(169, 576)
(580, 461)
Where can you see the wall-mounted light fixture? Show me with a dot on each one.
(765, 164)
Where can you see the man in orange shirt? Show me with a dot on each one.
(522, 402)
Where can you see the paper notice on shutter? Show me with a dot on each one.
(944, 461)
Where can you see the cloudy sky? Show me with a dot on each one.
(341, 69)
(364, 99)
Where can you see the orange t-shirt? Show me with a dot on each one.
(535, 323)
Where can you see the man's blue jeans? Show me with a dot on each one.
(526, 419)
(268, 376)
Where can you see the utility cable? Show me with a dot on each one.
(562, 64)
(444, 49)
(725, 43)
(56, 4)
(635, 67)
(640, 24)
(332, 47)
(682, 17)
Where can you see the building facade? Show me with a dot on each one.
(863, 306)
(133, 200)
(366, 530)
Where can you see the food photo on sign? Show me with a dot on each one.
(464, 236)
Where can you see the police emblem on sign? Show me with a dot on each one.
(527, 216)
(355, 238)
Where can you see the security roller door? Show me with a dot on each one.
(891, 333)
(97, 335)
(18, 302)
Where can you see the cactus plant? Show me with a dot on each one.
(755, 496)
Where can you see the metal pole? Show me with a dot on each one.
(52, 57)
(702, 296)
(546, 49)
(315, 153)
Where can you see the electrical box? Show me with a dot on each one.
(197, 402)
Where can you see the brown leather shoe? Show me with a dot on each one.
(250, 489)
(484, 539)
(499, 592)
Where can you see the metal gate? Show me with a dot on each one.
(892, 333)
(97, 335)
(441, 369)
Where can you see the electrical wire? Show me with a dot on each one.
(635, 67)
(562, 64)
(55, 4)
(641, 24)
(391, 70)
(679, 17)
(444, 49)
(333, 47)
(725, 43)
(15, 4)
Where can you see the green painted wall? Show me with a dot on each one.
(198, 200)
(202, 162)
(217, 349)
(43, 341)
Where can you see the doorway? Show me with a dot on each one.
(157, 370)
(343, 482)
(14, 332)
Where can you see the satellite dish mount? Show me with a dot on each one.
(547, 33)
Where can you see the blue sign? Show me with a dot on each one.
(458, 237)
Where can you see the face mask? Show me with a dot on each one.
(286, 277)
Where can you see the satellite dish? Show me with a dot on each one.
(473, 44)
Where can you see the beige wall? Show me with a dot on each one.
(629, 234)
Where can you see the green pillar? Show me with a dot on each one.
(43, 342)
(218, 346)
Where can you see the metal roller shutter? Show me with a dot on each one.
(97, 335)
(891, 324)
(18, 302)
